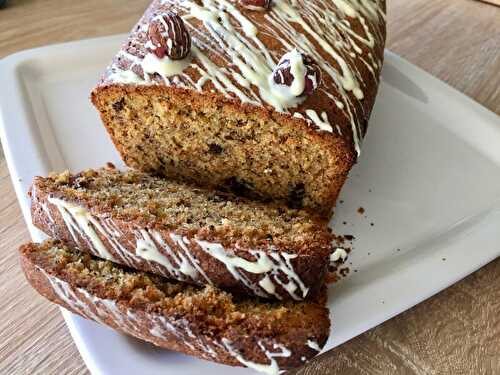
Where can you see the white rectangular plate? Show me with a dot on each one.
(428, 178)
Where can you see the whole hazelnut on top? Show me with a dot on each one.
(299, 72)
(256, 4)
(168, 36)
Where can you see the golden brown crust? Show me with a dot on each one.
(184, 323)
(308, 252)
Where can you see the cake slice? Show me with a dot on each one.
(185, 233)
(200, 321)
(267, 98)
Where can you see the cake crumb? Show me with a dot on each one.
(61, 178)
(361, 210)
(344, 272)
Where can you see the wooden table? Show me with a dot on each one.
(455, 332)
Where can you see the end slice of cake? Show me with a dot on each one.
(200, 321)
(268, 99)
(186, 233)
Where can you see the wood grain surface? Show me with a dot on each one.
(455, 332)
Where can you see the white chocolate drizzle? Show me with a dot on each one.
(272, 368)
(338, 255)
(313, 345)
(126, 77)
(291, 95)
(114, 236)
(165, 67)
(244, 64)
(321, 122)
(102, 310)
(99, 309)
(175, 254)
(272, 264)
(182, 242)
(78, 220)
(182, 268)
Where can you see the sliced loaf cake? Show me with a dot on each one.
(266, 98)
(186, 233)
(201, 321)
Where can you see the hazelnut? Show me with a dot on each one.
(168, 36)
(282, 74)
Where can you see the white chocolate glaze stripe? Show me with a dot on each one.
(84, 303)
(321, 122)
(78, 219)
(338, 255)
(313, 345)
(272, 368)
(271, 264)
(182, 242)
(245, 64)
(100, 309)
(181, 263)
(146, 249)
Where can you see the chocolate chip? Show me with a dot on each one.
(81, 183)
(162, 161)
(215, 198)
(215, 149)
(296, 196)
(118, 106)
(240, 187)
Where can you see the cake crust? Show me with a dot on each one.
(180, 318)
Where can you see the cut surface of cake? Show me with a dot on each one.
(268, 99)
(201, 321)
(186, 233)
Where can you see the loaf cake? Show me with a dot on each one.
(266, 98)
(201, 321)
(186, 233)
